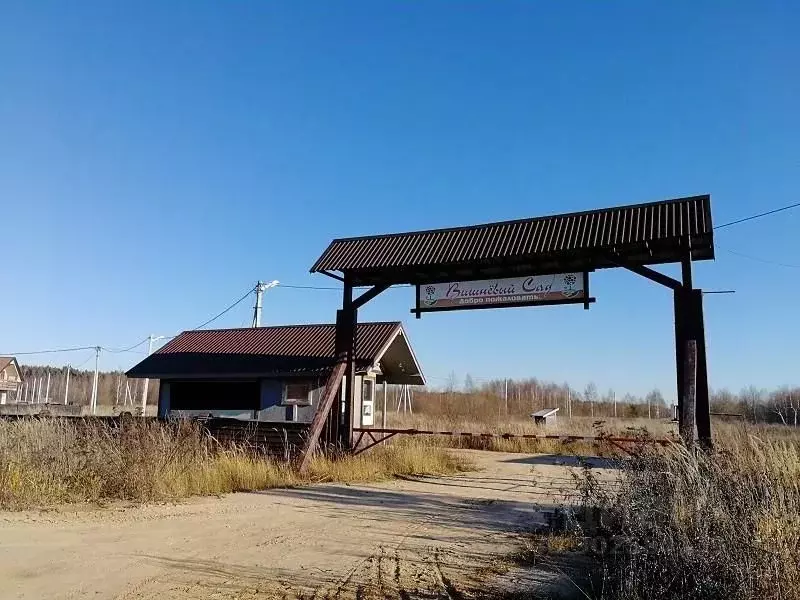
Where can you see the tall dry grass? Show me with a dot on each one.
(496, 426)
(704, 526)
(46, 462)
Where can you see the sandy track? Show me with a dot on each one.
(412, 538)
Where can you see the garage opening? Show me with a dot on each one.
(215, 395)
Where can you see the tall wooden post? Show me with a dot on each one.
(680, 347)
(698, 334)
(687, 416)
(350, 316)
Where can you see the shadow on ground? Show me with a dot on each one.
(592, 462)
(482, 512)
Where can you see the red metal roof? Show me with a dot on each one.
(664, 225)
(315, 341)
(287, 351)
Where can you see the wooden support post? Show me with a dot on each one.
(383, 415)
(346, 327)
(344, 348)
(686, 272)
(698, 333)
(687, 421)
(329, 396)
(680, 349)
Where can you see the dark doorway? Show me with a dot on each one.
(215, 395)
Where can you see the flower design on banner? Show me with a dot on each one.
(569, 285)
(430, 295)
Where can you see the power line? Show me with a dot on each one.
(762, 260)
(51, 351)
(232, 306)
(309, 287)
(758, 216)
(91, 356)
(328, 287)
(118, 350)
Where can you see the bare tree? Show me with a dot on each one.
(590, 395)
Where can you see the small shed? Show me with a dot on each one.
(274, 374)
(10, 379)
(546, 416)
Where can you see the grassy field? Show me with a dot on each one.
(696, 525)
(682, 524)
(581, 426)
(44, 462)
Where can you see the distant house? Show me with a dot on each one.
(273, 373)
(10, 379)
(546, 416)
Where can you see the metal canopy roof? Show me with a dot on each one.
(654, 233)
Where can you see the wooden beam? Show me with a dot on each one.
(694, 311)
(333, 275)
(687, 425)
(680, 347)
(647, 272)
(686, 272)
(321, 415)
(369, 295)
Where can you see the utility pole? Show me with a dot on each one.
(93, 402)
(383, 416)
(260, 288)
(569, 402)
(506, 396)
(66, 387)
(150, 339)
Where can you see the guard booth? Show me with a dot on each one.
(529, 262)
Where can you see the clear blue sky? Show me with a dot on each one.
(156, 158)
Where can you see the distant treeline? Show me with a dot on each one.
(520, 397)
(498, 397)
(113, 388)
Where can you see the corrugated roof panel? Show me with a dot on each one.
(524, 239)
(298, 341)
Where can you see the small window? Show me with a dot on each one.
(298, 394)
(291, 413)
(367, 390)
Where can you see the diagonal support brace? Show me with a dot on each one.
(321, 415)
(371, 293)
(647, 272)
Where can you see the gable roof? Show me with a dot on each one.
(657, 232)
(290, 350)
(7, 360)
(545, 412)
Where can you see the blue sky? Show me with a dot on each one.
(157, 158)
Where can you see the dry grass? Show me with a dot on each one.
(581, 426)
(704, 526)
(55, 461)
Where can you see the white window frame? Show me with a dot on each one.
(371, 382)
(285, 401)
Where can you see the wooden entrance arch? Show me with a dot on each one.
(632, 237)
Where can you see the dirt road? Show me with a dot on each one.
(412, 538)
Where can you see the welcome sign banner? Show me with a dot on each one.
(561, 288)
